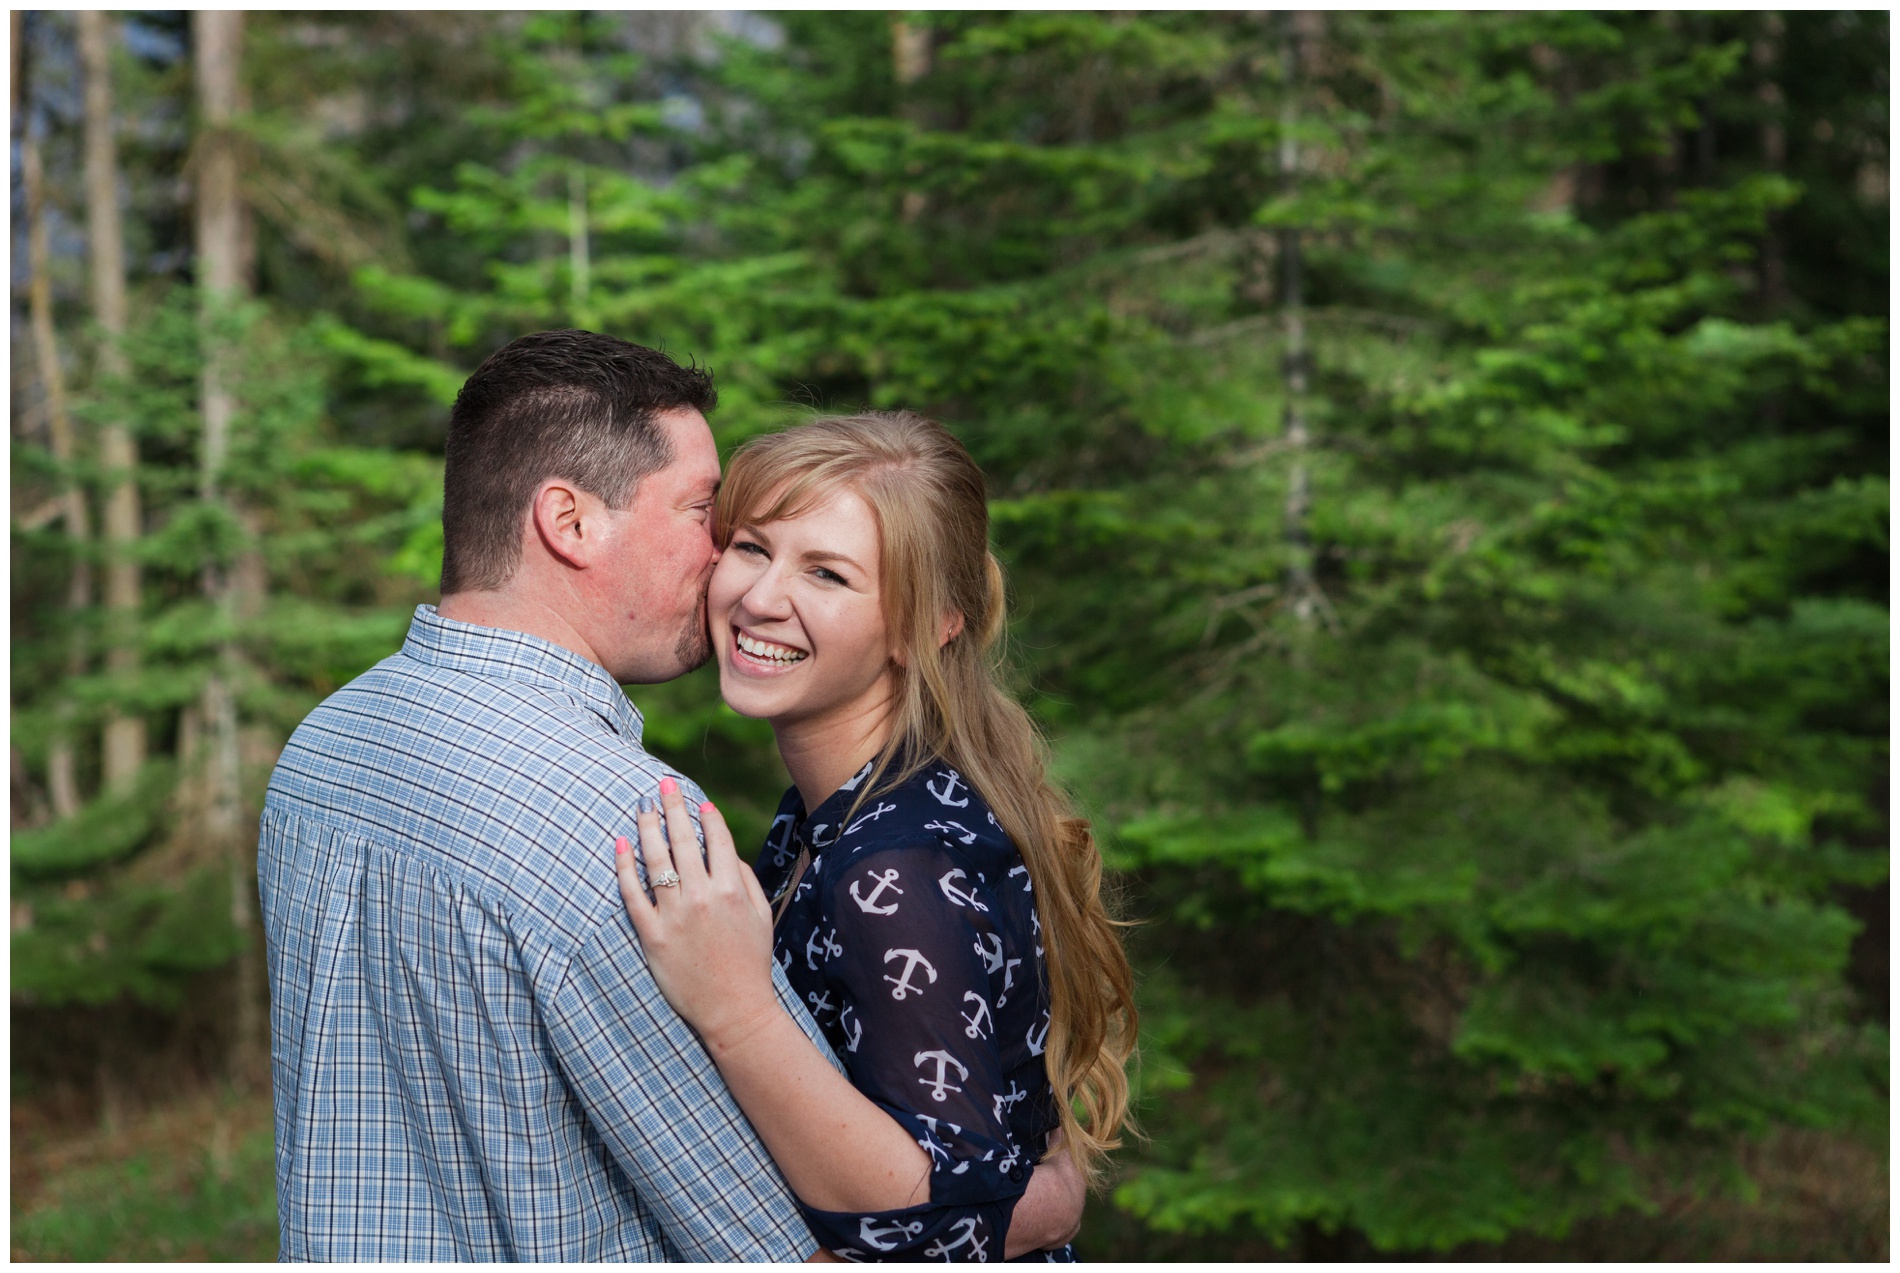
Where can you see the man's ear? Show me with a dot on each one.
(558, 512)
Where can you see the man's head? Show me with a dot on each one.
(577, 498)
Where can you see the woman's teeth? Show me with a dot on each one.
(767, 651)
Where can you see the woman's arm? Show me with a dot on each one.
(1050, 1211)
(708, 939)
(838, 1151)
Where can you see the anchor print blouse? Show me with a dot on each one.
(913, 938)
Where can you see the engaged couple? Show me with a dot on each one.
(528, 1002)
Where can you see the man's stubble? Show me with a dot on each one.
(695, 641)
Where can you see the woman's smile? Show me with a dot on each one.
(756, 656)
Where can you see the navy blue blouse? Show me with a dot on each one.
(913, 938)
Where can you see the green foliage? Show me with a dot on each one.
(123, 937)
(1562, 782)
(116, 900)
(103, 832)
(1491, 891)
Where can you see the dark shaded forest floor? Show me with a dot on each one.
(191, 1179)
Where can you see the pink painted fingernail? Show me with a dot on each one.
(668, 786)
(706, 808)
(621, 846)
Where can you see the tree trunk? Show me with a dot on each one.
(1303, 590)
(578, 260)
(62, 778)
(223, 240)
(910, 51)
(123, 745)
(1774, 152)
(911, 54)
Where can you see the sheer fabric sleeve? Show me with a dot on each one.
(908, 945)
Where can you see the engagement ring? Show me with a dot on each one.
(666, 879)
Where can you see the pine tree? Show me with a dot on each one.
(1395, 449)
(141, 895)
(1441, 461)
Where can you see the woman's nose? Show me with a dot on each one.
(768, 598)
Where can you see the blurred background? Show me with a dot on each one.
(1441, 460)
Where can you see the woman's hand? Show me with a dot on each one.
(1050, 1211)
(708, 938)
(706, 928)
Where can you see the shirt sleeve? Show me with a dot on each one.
(664, 1113)
(909, 946)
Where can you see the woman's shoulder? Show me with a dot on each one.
(932, 808)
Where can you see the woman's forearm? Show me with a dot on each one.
(839, 1152)
(1050, 1210)
(709, 947)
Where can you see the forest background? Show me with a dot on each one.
(1441, 460)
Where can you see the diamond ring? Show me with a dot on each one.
(666, 879)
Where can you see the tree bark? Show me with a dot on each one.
(1774, 152)
(1303, 591)
(910, 51)
(122, 740)
(911, 55)
(223, 240)
(578, 260)
(62, 778)
(123, 744)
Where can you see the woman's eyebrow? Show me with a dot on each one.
(819, 554)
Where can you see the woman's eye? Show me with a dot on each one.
(747, 546)
(830, 576)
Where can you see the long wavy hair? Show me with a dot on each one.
(928, 498)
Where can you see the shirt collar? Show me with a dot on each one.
(833, 807)
(505, 654)
(819, 828)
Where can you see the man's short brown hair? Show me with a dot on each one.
(573, 405)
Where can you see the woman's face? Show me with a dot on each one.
(797, 616)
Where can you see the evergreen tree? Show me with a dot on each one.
(1441, 460)
(137, 892)
(1443, 541)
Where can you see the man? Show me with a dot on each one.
(470, 1058)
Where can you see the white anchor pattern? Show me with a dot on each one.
(927, 979)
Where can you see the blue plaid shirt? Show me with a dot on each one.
(471, 1060)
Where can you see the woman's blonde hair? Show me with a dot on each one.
(933, 518)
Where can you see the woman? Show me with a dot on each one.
(930, 897)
